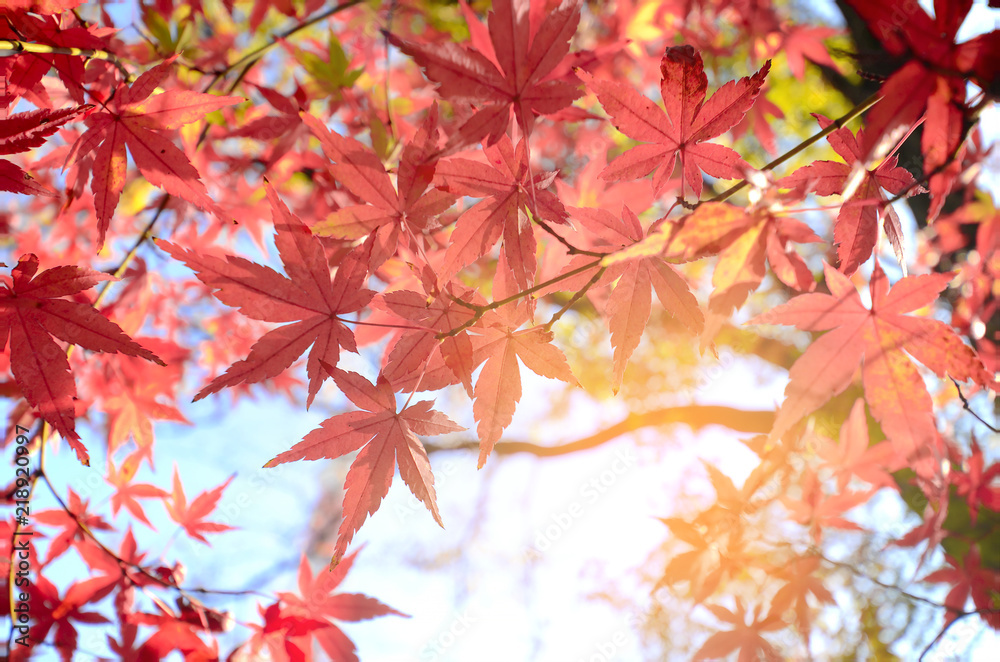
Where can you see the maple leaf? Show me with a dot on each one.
(191, 516)
(802, 41)
(315, 602)
(747, 638)
(387, 212)
(931, 83)
(134, 118)
(681, 132)
(41, 6)
(968, 577)
(416, 354)
(852, 456)
(108, 564)
(49, 610)
(277, 633)
(629, 306)
(172, 634)
(33, 313)
(743, 240)
(801, 581)
(283, 130)
(307, 297)
(329, 77)
(716, 534)
(508, 189)
(131, 401)
(894, 390)
(514, 68)
(819, 511)
(704, 567)
(127, 492)
(388, 438)
(498, 388)
(856, 229)
(71, 521)
(755, 123)
(589, 190)
(23, 76)
(16, 180)
(25, 131)
(976, 483)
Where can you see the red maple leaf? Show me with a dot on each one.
(49, 610)
(70, 521)
(801, 581)
(172, 634)
(394, 214)
(134, 118)
(279, 633)
(191, 516)
(629, 305)
(316, 602)
(743, 239)
(508, 191)
(33, 313)
(818, 510)
(25, 131)
(977, 483)
(283, 130)
(968, 577)
(41, 6)
(500, 344)
(857, 223)
(805, 41)
(747, 638)
(417, 354)
(852, 456)
(307, 296)
(127, 492)
(932, 81)
(23, 75)
(681, 132)
(388, 438)
(894, 389)
(132, 397)
(127, 575)
(517, 66)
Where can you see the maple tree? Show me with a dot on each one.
(450, 192)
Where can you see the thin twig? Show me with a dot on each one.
(834, 126)
(482, 310)
(576, 297)
(965, 405)
(570, 248)
(947, 626)
(18, 47)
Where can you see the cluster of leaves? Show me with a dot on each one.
(438, 206)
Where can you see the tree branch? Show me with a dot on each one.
(694, 416)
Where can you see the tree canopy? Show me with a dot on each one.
(425, 218)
